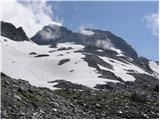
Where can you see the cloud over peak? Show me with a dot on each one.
(31, 15)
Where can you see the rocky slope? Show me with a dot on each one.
(21, 100)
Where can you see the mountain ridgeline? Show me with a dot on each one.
(112, 45)
(52, 35)
(63, 74)
(10, 31)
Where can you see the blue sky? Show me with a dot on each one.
(124, 19)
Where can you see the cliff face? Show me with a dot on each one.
(10, 31)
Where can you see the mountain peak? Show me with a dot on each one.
(10, 31)
(52, 35)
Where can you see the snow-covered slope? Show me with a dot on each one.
(121, 69)
(40, 64)
(18, 64)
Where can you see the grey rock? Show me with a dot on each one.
(10, 31)
(17, 97)
(139, 96)
(63, 61)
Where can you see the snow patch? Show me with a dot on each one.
(99, 50)
(120, 53)
(154, 66)
(120, 69)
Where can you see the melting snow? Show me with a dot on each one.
(18, 64)
(154, 66)
(120, 69)
(99, 50)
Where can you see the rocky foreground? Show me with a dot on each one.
(21, 100)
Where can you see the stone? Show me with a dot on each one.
(63, 61)
(139, 96)
(10, 31)
(120, 112)
(17, 97)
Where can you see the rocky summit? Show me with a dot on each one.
(53, 34)
(10, 31)
(63, 74)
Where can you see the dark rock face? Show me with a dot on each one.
(123, 45)
(93, 50)
(156, 88)
(118, 42)
(10, 31)
(52, 34)
(109, 75)
(144, 62)
(68, 85)
(20, 100)
(93, 61)
(58, 34)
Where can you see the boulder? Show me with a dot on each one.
(139, 96)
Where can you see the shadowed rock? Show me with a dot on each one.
(10, 31)
(63, 61)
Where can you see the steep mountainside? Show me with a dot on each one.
(68, 61)
(61, 62)
(93, 57)
(105, 40)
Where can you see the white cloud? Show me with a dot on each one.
(31, 15)
(153, 23)
(105, 44)
(49, 34)
(84, 31)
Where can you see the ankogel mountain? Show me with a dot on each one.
(53, 35)
(89, 60)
